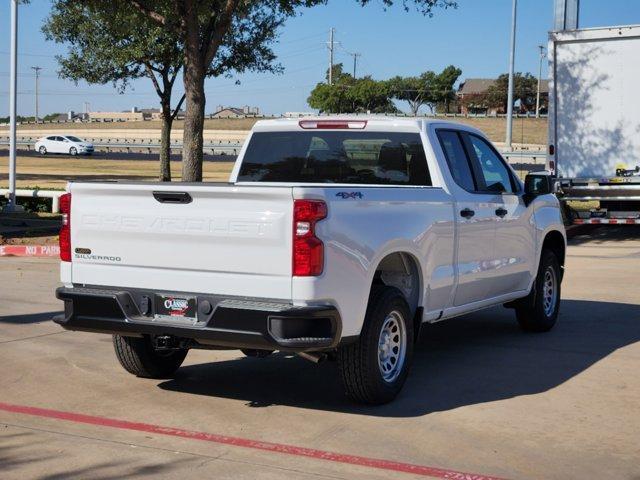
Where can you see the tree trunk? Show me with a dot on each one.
(193, 126)
(194, 75)
(165, 144)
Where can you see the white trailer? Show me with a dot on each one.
(594, 122)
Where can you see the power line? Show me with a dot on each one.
(30, 54)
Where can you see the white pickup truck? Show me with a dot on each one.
(334, 238)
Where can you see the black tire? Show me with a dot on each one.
(42, 150)
(73, 151)
(359, 362)
(138, 357)
(537, 312)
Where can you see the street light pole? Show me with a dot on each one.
(11, 205)
(541, 47)
(511, 68)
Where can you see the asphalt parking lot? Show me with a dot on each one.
(483, 398)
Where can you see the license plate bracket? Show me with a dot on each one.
(175, 308)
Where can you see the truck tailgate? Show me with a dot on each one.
(228, 240)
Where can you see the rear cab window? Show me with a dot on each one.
(457, 159)
(329, 156)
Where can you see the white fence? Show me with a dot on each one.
(54, 195)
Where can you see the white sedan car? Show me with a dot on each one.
(63, 144)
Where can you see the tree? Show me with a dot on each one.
(210, 29)
(524, 90)
(111, 43)
(51, 116)
(443, 86)
(349, 95)
(416, 91)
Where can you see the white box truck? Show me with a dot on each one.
(594, 123)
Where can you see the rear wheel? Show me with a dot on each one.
(539, 311)
(138, 357)
(42, 150)
(73, 151)
(375, 367)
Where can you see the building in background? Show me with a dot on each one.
(472, 97)
(236, 112)
(134, 115)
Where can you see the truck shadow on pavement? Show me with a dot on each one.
(474, 359)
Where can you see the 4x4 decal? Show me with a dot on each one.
(347, 195)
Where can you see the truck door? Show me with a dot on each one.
(513, 256)
(475, 218)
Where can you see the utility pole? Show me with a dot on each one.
(512, 56)
(541, 47)
(37, 70)
(355, 62)
(330, 44)
(11, 205)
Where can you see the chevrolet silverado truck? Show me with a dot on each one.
(335, 238)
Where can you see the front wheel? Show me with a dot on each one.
(539, 311)
(42, 150)
(139, 357)
(375, 367)
(73, 151)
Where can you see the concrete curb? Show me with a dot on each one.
(29, 250)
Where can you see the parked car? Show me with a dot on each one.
(68, 144)
(334, 239)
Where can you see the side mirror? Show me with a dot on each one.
(536, 184)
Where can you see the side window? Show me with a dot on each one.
(51, 138)
(456, 158)
(494, 173)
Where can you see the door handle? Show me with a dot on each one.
(172, 197)
(467, 213)
(501, 212)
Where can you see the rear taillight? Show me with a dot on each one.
(65, 231)
(308, 250)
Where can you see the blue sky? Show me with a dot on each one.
(474, 37)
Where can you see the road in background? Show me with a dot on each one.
(482, 396)
(117, 156)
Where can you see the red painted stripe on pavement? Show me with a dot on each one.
(29, 250)
(388, 465)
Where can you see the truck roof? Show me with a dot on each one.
(377, 122)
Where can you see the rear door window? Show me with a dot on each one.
(457, 158)
(336, 157)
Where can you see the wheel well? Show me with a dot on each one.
(554, 241)
(401, 270)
